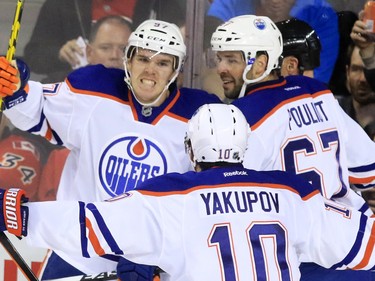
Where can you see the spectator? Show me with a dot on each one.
(245, 224)
(337, 82)
(353, 6)
(108, 39)
(119, 133)
(360, 103)
(317, 13)
(22, 157)
(51, 174)
(297, 124)
(365, 41)
(173, 11)
(62, 22)
(369, 195)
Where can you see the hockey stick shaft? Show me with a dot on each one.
(4, 240)
(15, 30)
(14, 36)
(22, 265)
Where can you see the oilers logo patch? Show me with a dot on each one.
(128, 161)
(260, 23)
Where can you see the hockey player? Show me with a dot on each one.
(301, 48)
(223, 222)
(297, 124)
(120, 134)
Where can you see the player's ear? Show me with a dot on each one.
(262, 61)
(291, 64)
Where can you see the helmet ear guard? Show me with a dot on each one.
(217, 133)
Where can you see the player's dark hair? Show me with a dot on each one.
(349, 53)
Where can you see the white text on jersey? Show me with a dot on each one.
(240, 202)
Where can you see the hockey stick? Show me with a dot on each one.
(4, 240)
(22, 265)
(13, 37)
(15, 30)
(104, 276)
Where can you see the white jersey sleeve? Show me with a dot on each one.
(66, 114)
(360, 150)
(261, 225)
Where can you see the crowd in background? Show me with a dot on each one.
(73, 33)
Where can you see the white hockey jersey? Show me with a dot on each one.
(113, 146)
(298, 126)
(225, 223)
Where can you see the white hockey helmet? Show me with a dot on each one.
(250, 34)
(217, 133)
(158, 36)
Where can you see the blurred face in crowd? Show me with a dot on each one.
(109, 44)
(150, 72)
(356, 81)
(230, 67)
(277, 10)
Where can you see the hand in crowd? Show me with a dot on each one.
(361, 37)
(9, 78)
(70, 51)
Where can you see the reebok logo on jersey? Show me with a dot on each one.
(128, 161)
(235, 173)
(292, 88)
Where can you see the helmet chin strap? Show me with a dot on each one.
(250, 81)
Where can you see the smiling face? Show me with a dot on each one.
(230, 67)
(149, 73)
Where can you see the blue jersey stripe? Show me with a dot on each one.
(82, 218)
(362, 169)
(356, 246)
(104, 229)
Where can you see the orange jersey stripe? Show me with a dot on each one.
(94, 239)
(92, 93)
(265, 117)
(369, 250)
(166, 110)
(247, 184)
(361, 180)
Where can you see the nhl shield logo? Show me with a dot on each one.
(128, 161)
